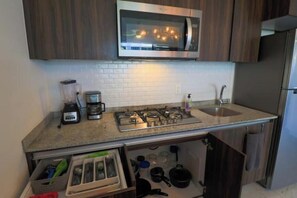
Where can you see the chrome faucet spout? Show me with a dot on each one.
(221, 101)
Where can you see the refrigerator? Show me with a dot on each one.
(270, 85)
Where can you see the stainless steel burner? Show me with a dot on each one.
(149, 118)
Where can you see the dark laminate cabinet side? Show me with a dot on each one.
(236, 137)
(223, 169)
(216, 30)
(279, 8)
(275, 8)
(279, 15)
(94, 29)
(48, 28)
(246, 31)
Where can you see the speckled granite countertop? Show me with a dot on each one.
(49, 137)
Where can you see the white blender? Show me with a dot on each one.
(71, 113)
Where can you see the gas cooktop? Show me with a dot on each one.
(151, 118)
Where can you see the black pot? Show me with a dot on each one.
(180, 177)
(143, 188)
(157, 175)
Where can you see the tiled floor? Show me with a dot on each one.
(256, 191)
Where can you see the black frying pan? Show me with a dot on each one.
(157, 175)
(143, 188)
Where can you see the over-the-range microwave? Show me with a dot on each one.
(150, 30)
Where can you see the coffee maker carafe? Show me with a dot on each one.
(94, 105)
(71, 112)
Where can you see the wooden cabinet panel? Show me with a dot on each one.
(246, 30)
(48, 28)
(67, 29)
(216, 30)
(94, 27)
(224, 168)
(231, 30)
(236, 137)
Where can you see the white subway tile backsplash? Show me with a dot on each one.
(126, 83)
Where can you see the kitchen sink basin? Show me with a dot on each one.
(219, 111)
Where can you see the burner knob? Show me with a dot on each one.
(174, 120)
(148, 124)
(169, 121)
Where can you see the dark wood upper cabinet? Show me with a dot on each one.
(87, 29)
(280, 15)
(246, 30)
(223, 169)
(231, 30)
(48, 29)
(67, 29)
(94, 27)
(216, 29)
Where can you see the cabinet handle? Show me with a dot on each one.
(188, 34)
(262, 127)
(207, 144)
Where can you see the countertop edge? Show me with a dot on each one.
(34, 135)
(141, 140)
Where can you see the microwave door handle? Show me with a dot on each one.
(189, 34)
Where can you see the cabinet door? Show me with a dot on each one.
(71, 29)
(48, 28)
(94, 29)
(216, 30)
(224, 168)
(246, 30)
(236, 138)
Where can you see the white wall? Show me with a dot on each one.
(30, 89)
(126, 83)
(23, 96)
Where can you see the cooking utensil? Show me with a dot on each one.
(62, 166)
(174, 149)
(135, 167)
(157, 175)
(180, 177)
(143, 188)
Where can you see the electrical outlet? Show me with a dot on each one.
(178, 88)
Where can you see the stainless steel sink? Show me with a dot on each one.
(219, 111)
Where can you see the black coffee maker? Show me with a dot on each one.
(71, 112)
(94, 105)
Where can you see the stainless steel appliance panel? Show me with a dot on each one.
(150, 30)
(286, 157)
(293, 68)
(286, 161)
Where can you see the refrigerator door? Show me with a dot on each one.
(290, 75)
(286, 161)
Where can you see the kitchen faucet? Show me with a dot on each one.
(221, 100)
